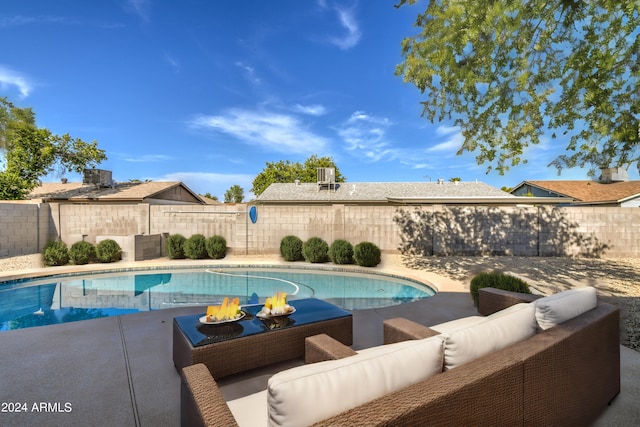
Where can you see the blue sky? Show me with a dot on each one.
(207, 92)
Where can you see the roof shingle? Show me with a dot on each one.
(591, 191)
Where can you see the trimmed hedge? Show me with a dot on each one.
(55, 253)
(496, 280)
(366, 254)
(195, 247)
(108, 250)
(315, 250)
(82, 252)
(291, 248)
(216, 247)
(174, 246)
(341, 252)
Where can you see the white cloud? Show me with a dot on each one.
(14, 21)
(272, 131)
(447, 130)
(139, 7)
(249, 73)
(147, 158)
(348, 21)
(452, 144)
(367, 134)
(312, 110)
(173, 62)
(11, 78)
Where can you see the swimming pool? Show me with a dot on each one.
(69, 298)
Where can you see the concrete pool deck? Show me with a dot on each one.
(118, 371)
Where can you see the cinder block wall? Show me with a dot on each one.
(19, 229)
(423, 230)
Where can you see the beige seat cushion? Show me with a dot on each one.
(251, 410)
(306, 394)
(563, 306)
(464, 345)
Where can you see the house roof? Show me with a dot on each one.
(589, 191)
(388, 192)
(121, 192)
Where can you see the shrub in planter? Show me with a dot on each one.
(55, 253)
(216, 247)
(496, 280)
(108, 250)
(291, 248)
(195, 247)
(315, 250)
(366, 254)
(82, 252)
(341, 252)
(174, 246)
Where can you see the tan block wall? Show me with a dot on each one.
(424, 230)
(228, 221)
(19, 229)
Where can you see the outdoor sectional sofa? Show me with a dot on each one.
(553, 361)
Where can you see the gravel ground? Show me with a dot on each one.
(617, 281)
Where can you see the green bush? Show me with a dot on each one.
(366, 254)
(55, 253)
(496, 280)
(175, 246)
(315, 250)
(108, 250)
(195, 247)
(82, 252)
(291, 248)
(341, 252)
(216, 247)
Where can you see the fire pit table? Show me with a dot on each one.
(252, 342)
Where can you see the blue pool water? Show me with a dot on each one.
(60, 299)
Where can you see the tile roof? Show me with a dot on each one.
(590, 191)
(77, 191)
(378, 191)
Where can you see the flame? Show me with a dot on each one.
(277, 304)
(228, 310)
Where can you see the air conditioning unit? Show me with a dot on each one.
(97, 177)
(326, 177)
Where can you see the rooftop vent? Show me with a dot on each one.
(97, 177)
(440, 181)
(326, 178)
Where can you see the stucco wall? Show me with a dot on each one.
(425, 230)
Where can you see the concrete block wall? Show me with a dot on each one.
(228, 221)
(422, 230)
(19, 229)
(86, 221)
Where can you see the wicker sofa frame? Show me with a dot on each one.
(566, 375)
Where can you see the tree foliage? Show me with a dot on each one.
(507, 71)
(235, 194)
(32, 152)
(286, 171)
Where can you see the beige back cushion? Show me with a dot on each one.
(498, 331)
(454, 325)
(563, 306)
(306, 394)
